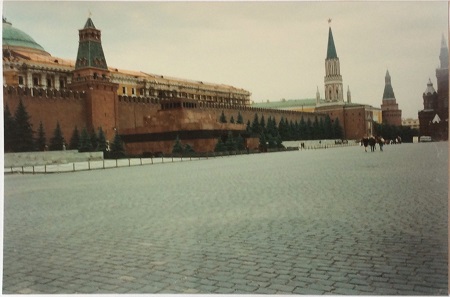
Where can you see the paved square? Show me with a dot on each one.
(329, 221)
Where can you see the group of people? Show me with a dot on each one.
(372, 141)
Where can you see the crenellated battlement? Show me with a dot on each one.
(65, 94)
(169, 103)
(213, 105)
(139, 99)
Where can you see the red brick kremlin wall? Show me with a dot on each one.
(67, 107)
(135, 115)
(134, 112)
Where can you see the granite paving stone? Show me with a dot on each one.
(335, 221)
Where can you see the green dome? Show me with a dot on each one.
(14, 37)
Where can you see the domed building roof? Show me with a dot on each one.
(13, 37)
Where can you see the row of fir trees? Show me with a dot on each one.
(20, 137)
(271, 134)
(322, 128)
(389, 132)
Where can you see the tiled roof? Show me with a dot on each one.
(44, 60)
(164, 79)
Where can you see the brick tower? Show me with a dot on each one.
(92, 76)
(389, 108)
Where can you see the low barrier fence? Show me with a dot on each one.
(93, 165)
(137, 161)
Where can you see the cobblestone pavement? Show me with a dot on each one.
(336, 221)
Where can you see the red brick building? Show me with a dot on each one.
(148, 111)
(434, 116)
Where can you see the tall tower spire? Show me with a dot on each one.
(443, 57)
(333, 78)
(442, 81)
(317, 95)
(349, 95)
(388, 92)
(331, 49)
(90, 51)
(389, 107)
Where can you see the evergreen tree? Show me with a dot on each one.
(262, 142)
(240, 143)
(303, 129)
(298, 130)
(23, 133)
(240, 120)
(85, 144)
(295, 131)
(279, 141)
(249, 127)
(41, 141)
(75, 139)
(291, 129)
(255, 124)
(8, 129)
(316, 129)
(102, 145)
(309, 129)
(321, 129)
(177, 147)
(220, 146)
(94, 141)
(188, 149)
(117, 150)
(223, 119)
(271, 143)
(283, 129)
(57, 142)
(271, 129)
(232, 120)
(262, 125)
(338, 133)
(230, 143)
(328, 128)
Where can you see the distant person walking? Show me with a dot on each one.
(372, 143)
(365, 142)
(381, 143)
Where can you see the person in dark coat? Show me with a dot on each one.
(381, 143)
(372, 143)
(365, 142)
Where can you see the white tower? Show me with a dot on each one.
(333, 78)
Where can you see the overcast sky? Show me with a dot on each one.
(273, 49)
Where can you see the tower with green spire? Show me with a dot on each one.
(333, 78)
(389, 108)
(90, 52)
(92, 76)
(388, 93)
